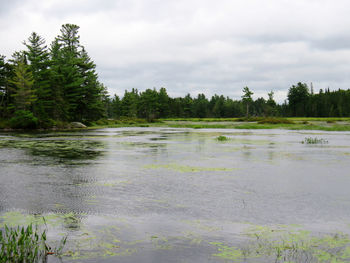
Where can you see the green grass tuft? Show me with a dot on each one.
(222, 138)
(26, 244)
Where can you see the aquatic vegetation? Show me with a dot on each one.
(222, 138)
(287, 245)
(187, 169)
(26, 244)
(60, 148)
(310, 140)
(16, 218)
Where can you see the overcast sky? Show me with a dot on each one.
(197, 46)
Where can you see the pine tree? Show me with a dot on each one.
(81, 95)
(23, 93)
(5, 72)
(38, 58)
(247, 99)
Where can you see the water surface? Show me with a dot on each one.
(176, 195)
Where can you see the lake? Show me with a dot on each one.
(180, 195)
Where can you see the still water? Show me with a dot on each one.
(180, 195)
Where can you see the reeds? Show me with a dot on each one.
(26, 245)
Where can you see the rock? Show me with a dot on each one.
(77, 125)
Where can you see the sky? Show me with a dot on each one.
(197, 46)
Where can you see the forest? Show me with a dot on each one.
(43, 86)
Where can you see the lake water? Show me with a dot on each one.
(180, 195)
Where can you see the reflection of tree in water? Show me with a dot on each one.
(64, 148)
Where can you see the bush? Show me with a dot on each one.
(23, 120)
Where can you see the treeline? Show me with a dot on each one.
(40, 86)
(43, 86)
(301, 102)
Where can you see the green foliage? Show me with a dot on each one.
(222, 138)
(23, 92)
(23, 120)
(4, 124)
(298, 96)
(26, 244)
(38, 59)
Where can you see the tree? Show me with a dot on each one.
(298, 97)
(38, 58)
(115, 107)
(271, 105)
(23, 94)
(129, 103)
(217, 102)
(163, 100)
(148, 104)
(75, 81)
(6, 71)
(247, 99)
(200, 106)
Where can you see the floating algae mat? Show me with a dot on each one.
(180, 195)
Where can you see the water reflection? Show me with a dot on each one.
(150, 190)
(64, 148)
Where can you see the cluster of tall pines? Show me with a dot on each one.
(41, 86)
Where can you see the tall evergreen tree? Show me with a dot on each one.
(38, 59)
(247, 98)
(5, 75)
(23, 93)
(298, 98)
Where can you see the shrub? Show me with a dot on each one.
(23, 120)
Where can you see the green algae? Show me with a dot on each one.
(187, 169)
(287, 244)
(16, 218)
(64, 148)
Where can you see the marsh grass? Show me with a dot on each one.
(222, 138)
(275, 121)
(310, 140)
(26, 244)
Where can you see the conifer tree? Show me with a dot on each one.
(23, 93)
(38, 59)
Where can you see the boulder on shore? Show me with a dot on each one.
(77, 125)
